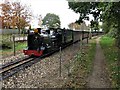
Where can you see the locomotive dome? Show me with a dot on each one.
(36, 30)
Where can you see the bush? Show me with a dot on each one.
(6, 44)
(112, 33)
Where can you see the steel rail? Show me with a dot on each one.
(14, 62)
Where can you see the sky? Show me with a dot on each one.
(58, 7)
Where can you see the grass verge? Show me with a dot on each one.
(111, 55)
(82, 66)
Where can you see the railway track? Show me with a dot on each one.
(11, 68)
(14, 62)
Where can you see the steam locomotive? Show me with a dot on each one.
(40, 41)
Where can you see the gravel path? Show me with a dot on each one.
(44, 73)
(99, 76)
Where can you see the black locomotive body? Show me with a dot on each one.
(51, 39)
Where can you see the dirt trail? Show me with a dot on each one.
(99, 75)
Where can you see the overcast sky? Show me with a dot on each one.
(58, 7)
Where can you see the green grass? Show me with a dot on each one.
(90, 56)
(19, 46)
(6, 41)
(111, 55)
(86, 56)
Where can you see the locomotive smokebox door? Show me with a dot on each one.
(39, 30)
(48, 31)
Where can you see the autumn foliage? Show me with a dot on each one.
(14, 15)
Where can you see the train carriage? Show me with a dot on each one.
(85, 34)
(77, 35)
(67, 36)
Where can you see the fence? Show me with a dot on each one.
(8, 31)
(11, 31)
(15, 42)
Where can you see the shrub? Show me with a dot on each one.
(6, 44)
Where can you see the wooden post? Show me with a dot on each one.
(118, 68)
(73, 47)
(81, 38)
(90, 35)
(14, 44)
(60, 63)
(81, 43)
(87, 40)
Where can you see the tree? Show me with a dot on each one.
(40, 20)
(51, 21)
(14, 15)
(94, 25)
(84, 9)
(74, 26)
(21, 15)
(115, 17)
(6, 14)
(111, 19)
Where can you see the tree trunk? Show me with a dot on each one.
(18, 30)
